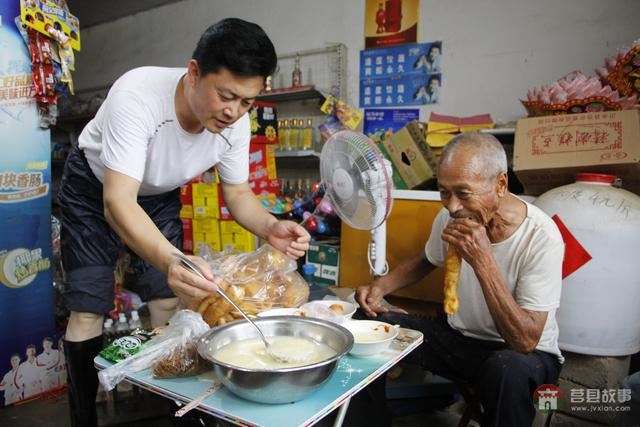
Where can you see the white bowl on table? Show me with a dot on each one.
(370, 337)
(346, 309)
(284, 311)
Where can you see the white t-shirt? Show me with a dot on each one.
(530, 261)
(12, 392)
(136, 132)
(30, 378)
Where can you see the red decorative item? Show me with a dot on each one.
(317, 200)
(312, 224)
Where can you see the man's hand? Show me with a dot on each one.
(370, 297)
(189, 287)
(289, 238)
(470, 238)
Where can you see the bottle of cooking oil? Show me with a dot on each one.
(307, 136)
(283, 135)
(293, 135)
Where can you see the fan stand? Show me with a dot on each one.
(377, 251)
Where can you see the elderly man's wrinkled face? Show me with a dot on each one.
(464, 190)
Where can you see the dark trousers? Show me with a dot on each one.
(503, 378)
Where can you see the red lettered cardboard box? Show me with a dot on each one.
(550, 150)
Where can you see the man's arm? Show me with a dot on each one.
(520, 328)
(140, 234)
(286, 236)
(407, 273)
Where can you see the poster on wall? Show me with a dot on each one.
(30, 360)
(404, 90)
(420, 58)
(390, 22)
(382, 123)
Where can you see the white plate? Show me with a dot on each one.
(283, 312)
(347, 308)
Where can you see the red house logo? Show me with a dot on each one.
(545, 398)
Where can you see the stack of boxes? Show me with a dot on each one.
(206, 220)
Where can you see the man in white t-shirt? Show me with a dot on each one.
(9, 384)
(48, 360)
(30, 374)
(504, 337)
(157, 129)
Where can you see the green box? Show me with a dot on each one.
(326, 257)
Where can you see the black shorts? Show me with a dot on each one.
(90, 248)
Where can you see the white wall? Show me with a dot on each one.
(493, 50)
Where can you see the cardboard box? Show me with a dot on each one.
(187, 236)
(410, 155)
(206, 232)
(205, 200)
(326, 257)
(550, 150)
(264, 123)
(242, 241)
(262, 161)
(230, 227)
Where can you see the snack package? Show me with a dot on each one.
(171, 353)
(255, 281)
(125, 347)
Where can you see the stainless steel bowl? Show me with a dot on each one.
(276, 385)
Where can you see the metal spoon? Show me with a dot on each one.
(193, 267)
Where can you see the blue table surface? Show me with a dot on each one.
(351, 375)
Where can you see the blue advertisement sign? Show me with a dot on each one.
(378, 122)
(418, 59)
(400, 91)
(29, 361)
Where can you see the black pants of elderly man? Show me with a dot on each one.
(504, 379)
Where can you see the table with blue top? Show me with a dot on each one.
(351, 375)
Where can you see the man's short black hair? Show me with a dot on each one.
(241, 47)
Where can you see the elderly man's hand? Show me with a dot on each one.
(370, 297)
(470, 238)
(290, 238)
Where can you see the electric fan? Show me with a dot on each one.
(357, 183)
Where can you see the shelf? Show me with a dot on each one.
(298, 153)
(291, 94)
(499, 131)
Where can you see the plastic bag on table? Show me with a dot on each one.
(255, 281)
(170, 353)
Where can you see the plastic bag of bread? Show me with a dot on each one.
(170, 353)
(255, 281)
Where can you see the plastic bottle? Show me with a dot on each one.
(315, 291)
(107, 330)
(135, 322)
(293, 135)
(122, 326)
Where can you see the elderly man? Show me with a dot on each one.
(504, 337)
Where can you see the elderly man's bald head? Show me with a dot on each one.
(487, 152)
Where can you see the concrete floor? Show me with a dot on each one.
(145, 410)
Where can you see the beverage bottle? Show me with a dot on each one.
(293, 135)
(296, 76)
(122, 326)
(135, 322)
(107, 330)
(307, 136)
(316, 292)
(284, 141)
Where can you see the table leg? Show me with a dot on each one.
(341, 413)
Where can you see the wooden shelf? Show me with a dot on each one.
(291, 94)
(297, 153)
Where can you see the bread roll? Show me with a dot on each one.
(451, 276)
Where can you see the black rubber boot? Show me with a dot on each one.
(83, 380)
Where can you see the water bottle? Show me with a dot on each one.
(122, 326)
(107, 330)
(135, 322)
(315, 291)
